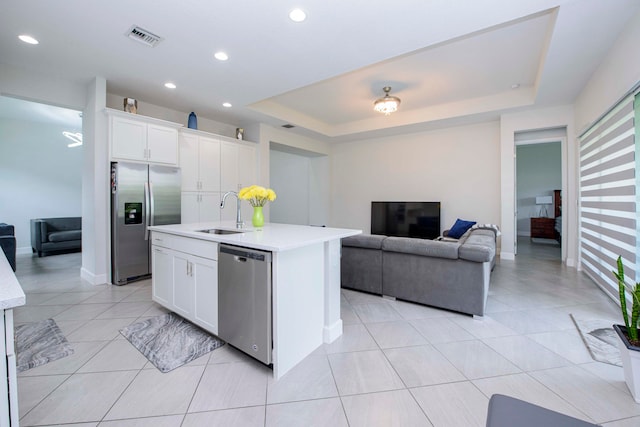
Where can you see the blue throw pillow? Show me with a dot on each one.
(459, 228)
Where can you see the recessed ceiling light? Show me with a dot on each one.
(226, 105)
(28, 39)
(170, 85)
(515, 86)
(297, 15)
(221, 56)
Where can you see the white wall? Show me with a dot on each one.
(41, 87)
(290, 179)
(618, 73)
(319, 167)
(459, 167)
(39, 175)
(539, 172)
(302, 185)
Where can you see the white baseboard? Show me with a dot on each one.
(508, 256)
(332, 332)
(94, 279)
(24, 250)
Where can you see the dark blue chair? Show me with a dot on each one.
(8, 243)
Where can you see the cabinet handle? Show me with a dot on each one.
(149, 152)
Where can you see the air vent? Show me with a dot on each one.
(288, 126)
(143, 36)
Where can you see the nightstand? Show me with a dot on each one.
(543, 228)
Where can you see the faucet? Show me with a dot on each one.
(239, 222)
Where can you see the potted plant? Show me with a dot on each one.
(629, 343)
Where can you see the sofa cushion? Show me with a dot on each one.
(459, 228)
(477, 253)
(430, 248)
(480, 238)
(65, 236)
(366, 241)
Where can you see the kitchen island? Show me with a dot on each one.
(305, 280)
(11, 296)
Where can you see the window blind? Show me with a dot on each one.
(608, 188)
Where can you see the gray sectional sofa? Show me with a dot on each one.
(49, 235)
(453, 275)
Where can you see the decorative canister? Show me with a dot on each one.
(193, 121)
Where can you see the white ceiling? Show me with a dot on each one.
(450, 61)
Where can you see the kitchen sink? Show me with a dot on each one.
(221, 231)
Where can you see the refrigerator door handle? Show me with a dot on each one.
(147, 210)
(152, 204)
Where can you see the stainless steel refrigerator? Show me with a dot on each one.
(141, 195)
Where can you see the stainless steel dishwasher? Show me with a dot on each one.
(244, 300)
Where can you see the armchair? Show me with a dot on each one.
(8, 243)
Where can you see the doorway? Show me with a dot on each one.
(41, 157)
(539, 184)
(300, 178)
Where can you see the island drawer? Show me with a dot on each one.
(201, 248)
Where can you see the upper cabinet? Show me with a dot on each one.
(238, 165)
(200, 162)
(141, 138)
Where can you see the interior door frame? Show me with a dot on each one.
(563, 174)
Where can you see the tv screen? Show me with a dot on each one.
(406, 219)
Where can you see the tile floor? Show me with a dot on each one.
(397, 364)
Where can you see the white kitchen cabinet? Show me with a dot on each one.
(142, 138)
(183, 285)
(128, 139)
(238, 165)
(205, 274)
(185, 278)
(200, 162)
(162, 273)
(200, 207)
(162, 144)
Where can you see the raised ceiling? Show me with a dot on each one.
(449, 61)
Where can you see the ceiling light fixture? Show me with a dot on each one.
(28, 39)
(297, 15)
(170, 85)
(387, 104)
(221, 56)
(226, 105)
(75, 137)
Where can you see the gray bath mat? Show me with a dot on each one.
(600, 339)
(39, 343)
(169, 341)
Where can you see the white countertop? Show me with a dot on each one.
(272, 237)
(11, 294)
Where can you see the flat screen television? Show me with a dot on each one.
(406, 219)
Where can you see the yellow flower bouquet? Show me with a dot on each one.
(257, 195)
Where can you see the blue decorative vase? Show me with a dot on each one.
(193, 121)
